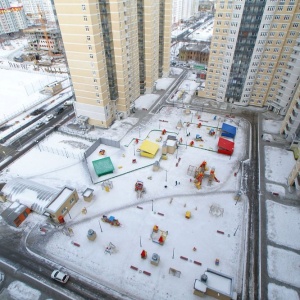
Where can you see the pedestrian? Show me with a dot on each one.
(176, 182)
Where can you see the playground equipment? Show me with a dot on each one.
(102, 152)
(111, 248)
(199, 125)
(107, 185)
(159, 139)
(199, 174)
(198, 138)
(211, 132)
(191, 143)
(212, 176)
(144, 254)
(188, 214)
(217, 262)
(164, 131)
(134, 161)
(158, 236)
(155, 259)
(139, 188)
(111, 220)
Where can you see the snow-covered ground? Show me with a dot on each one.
(212, 207)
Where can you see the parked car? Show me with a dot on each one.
(69, 102)
(39, 125)
(37, 112)
(60, 276)
(49, 117)
(58, 110)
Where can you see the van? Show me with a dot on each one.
(68, 102)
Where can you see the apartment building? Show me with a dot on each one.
(12, 17)
(116, 50)
(37, 9)
(254, 48)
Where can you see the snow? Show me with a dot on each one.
(18, 290)
(271, 126)
(274, 188)
(279, 226)
(282, 266)
(164, 204)
(279, 164)
(276, 292)
(57, 162)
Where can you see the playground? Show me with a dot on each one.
(198, 226)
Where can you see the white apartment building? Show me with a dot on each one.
(12, 17)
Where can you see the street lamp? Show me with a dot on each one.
(166, 175)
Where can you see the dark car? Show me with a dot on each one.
(37, 112)
(59, 110)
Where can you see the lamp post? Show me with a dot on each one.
(68, 212)
(37, 142)
(166, 175)
(100, 226)
(152, 204)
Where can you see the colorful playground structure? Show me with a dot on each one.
(139, 188)
(111, 220)
(158, 236)
(199, 172)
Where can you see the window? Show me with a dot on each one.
(88, 38)
(90, 47)
(91, 56)
(72, 200)
(286, 17)
(83, 7)
(84, 18)
(283, 26)
(289, 8)
(87, 28)
(295, 25)
(281, 34)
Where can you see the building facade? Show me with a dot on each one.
(12, 17)
(254, 45)
(116, 50)
(195, 52)
(37, 9)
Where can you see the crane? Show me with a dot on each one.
(43, 22)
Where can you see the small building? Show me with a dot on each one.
(53, 88)
(148, 149)
(103, 166)
(216, 285)
(88, 194)
(62, 204)
(228, 131)
(171, 144)
(15, 214)
(196, 52)
(225, 146)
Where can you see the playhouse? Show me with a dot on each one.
(225, 146)
(148, 149)
(228, 131)
(103, 166)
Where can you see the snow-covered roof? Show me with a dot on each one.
(60, 200)
(32, 194)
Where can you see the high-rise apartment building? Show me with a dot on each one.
(254, 50)
(116, 50)
(12, 17)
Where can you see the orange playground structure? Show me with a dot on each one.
(200, 172)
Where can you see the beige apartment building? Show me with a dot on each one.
(116, 50)
(254, 48)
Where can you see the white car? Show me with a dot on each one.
(60, 276)
(49, 117)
